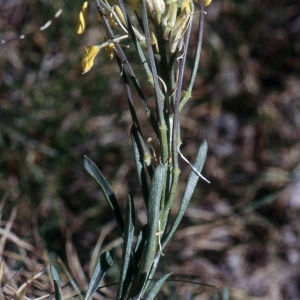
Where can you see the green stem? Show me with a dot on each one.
(171, 198)
(188, 92)
(162, 127)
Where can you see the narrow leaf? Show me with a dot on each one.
(140, 166)
(56, 280)
(152, 271)
(140, 244)
(104, 263)
(153, 214)
(156, 287)
(191, 184)
(125, 278)
(155, 194)
(93, 170)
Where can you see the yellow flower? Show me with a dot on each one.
(89, 55)
(82, 18)
(110, 50)
(205, 2)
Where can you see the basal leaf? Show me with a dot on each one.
(56, 280)
(93, 170)
(104, 263)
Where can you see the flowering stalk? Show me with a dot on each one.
(160, 32)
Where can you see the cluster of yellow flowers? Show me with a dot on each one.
(170, 17)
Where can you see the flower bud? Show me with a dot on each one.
(155, 9)
(153, 37)
(120, 14)
(159, 6)
(169, 17)
(180, 25)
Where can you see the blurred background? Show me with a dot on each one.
(240, 233)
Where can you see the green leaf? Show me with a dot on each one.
(155, 195)
(140, 244)
(153, 214)
(56, 280)
(156, 287)
(140, 165)
(104, 263)
(191, 184)
(125, 277)
(152, 271)
(93, 170)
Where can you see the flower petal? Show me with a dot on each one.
(82, 18)
(206, 2)
(110, 50)
(89, 55)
